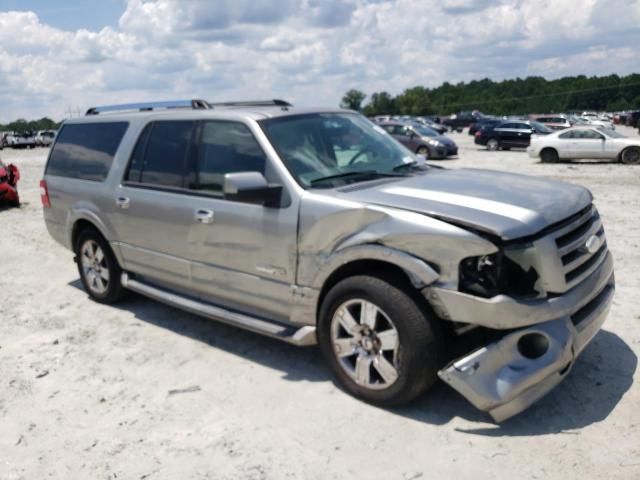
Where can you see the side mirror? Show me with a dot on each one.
(251, 187)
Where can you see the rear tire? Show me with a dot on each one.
(379, 343)
(630, 156)
(549, 155)
(99, 270)
(493, 144)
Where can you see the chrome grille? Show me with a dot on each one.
(571, 239)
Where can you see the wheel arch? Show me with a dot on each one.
(549, 149)
(412, 276)
(80, 225)
(83, 222)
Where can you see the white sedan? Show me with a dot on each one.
(585, 142)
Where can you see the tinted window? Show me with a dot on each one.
(166, 153)
(567, 135)
(226, 147)
(591, 135)
(137, 157)
(86, 151)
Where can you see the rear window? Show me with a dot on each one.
(85, 151)
(166, 153)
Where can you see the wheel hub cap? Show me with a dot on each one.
(365, 342)
(94, 267)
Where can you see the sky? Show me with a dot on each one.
(58, 57)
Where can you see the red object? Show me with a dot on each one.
(9, 176)
(44, 194)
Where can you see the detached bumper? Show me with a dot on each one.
(507, 376)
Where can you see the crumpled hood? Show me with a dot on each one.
(504, 204)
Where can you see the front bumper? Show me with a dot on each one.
(505, 377)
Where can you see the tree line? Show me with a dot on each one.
(21, 125)
(507, 97)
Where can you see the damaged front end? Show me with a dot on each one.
(536, 337)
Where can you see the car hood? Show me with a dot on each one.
(503, 204)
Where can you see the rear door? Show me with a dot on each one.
(153, 212)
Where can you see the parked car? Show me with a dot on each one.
(3, 140)
(481, 122)
(9, 177)
(441, 129)
(44, 138)
(458, 121)
(586, 142)
(421, 140)
(21, 140)
(509, 134)
(599, 122)
(554, 122)
(633, 119)
(315, 225)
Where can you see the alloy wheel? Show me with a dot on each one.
(366, 343)
(94, 267)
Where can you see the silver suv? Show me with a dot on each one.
(316, 225)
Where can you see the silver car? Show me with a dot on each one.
(585, 142)
(315, 225)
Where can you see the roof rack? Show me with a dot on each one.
(150, 106)
(253, 103)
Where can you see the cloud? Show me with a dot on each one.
(308, 51)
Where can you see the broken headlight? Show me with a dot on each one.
(495, 274)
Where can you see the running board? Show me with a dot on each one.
(302, 336)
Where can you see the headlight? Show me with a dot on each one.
(435, 143)
(495, 274)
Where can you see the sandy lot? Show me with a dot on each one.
(86, 389)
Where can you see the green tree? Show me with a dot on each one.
(353, 100)
(381, 104)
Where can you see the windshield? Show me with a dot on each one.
(540, 127)
(322, 145)
(424, 131)
(611, 133)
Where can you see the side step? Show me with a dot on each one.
(302, 336)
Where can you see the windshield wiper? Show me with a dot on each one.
(365, 173)
(410, 165)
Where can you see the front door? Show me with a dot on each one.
(244, 256)
(587, 143)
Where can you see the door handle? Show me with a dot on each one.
(123, 202)
(202, 215)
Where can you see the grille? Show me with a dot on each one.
(577, 262)
(591, 307)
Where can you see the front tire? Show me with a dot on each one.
(630, 156)
(379, 341)
(98, 268)
(423, 151)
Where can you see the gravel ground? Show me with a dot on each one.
(145, 391)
